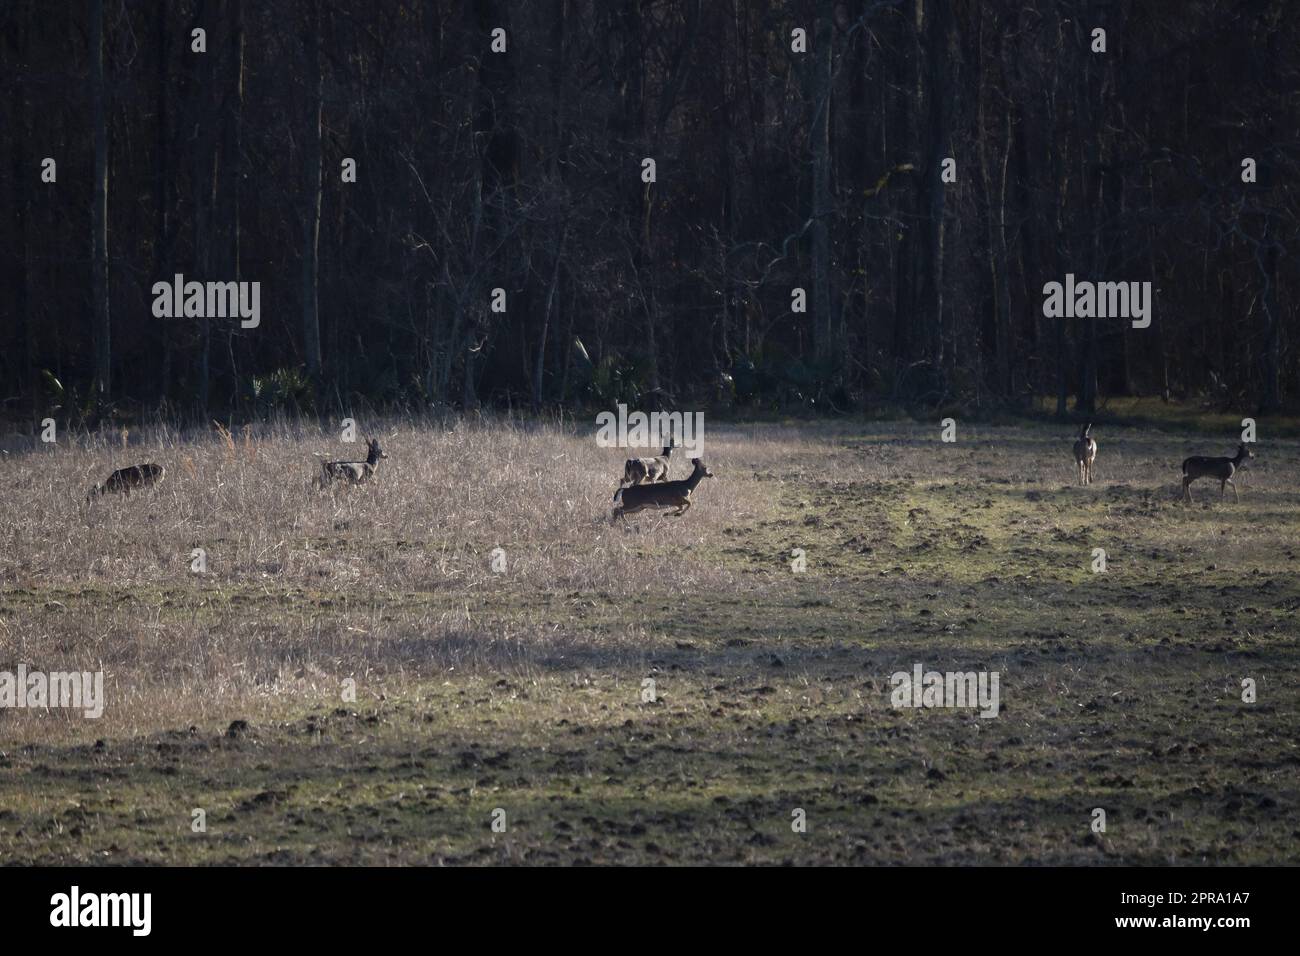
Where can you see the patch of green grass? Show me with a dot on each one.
(1187, 416)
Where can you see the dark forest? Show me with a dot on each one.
(435, 221)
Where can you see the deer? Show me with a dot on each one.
(638, 470)
(1222, 468)
(353, 472)
(1085, 452)
(661, 495)
(126, 479)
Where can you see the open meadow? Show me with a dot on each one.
(520, 696)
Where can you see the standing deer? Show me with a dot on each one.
(663, 494)
(353, 472)
(1221, 468)
(125, 479)
(1085, 452)
(637, 470)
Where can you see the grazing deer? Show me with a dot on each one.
(1221, 468)
(353, 472)
(125, 479)
(662, 495)
(1085, 452)
(638, 470)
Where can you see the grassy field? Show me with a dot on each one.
(521, 695)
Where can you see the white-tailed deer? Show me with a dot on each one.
(1085, 452)
(353, 472)
(126, 479)
(1220, 468)
(638, 470)
(659, 495)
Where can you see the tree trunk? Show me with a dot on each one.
(162, 196)
(1267, 254)
(203, 184)
(28, 377)
(823, 307)
(995, 222)
(540, 367)
(1095, 192)
(99, 208)
(1058, 193)
(232, 145)
(312, 203)
(906, 342)
(936, 23)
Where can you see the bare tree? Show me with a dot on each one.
(311, 198)
(99, 208)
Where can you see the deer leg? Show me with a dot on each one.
(1235, 495)
(1223, 488)
(1187, 489)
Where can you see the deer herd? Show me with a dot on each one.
(645, 483)
(1198, 466)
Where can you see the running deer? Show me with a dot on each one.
(353, 472)
(659, 495)
(1085, 452)
(126, 479)
(638, 470)
(1221, 468)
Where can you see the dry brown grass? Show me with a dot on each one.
(440, 504)
(305, 586)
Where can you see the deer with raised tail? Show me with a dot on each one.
(353, 472)
(1085, 452)
(638, 470)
